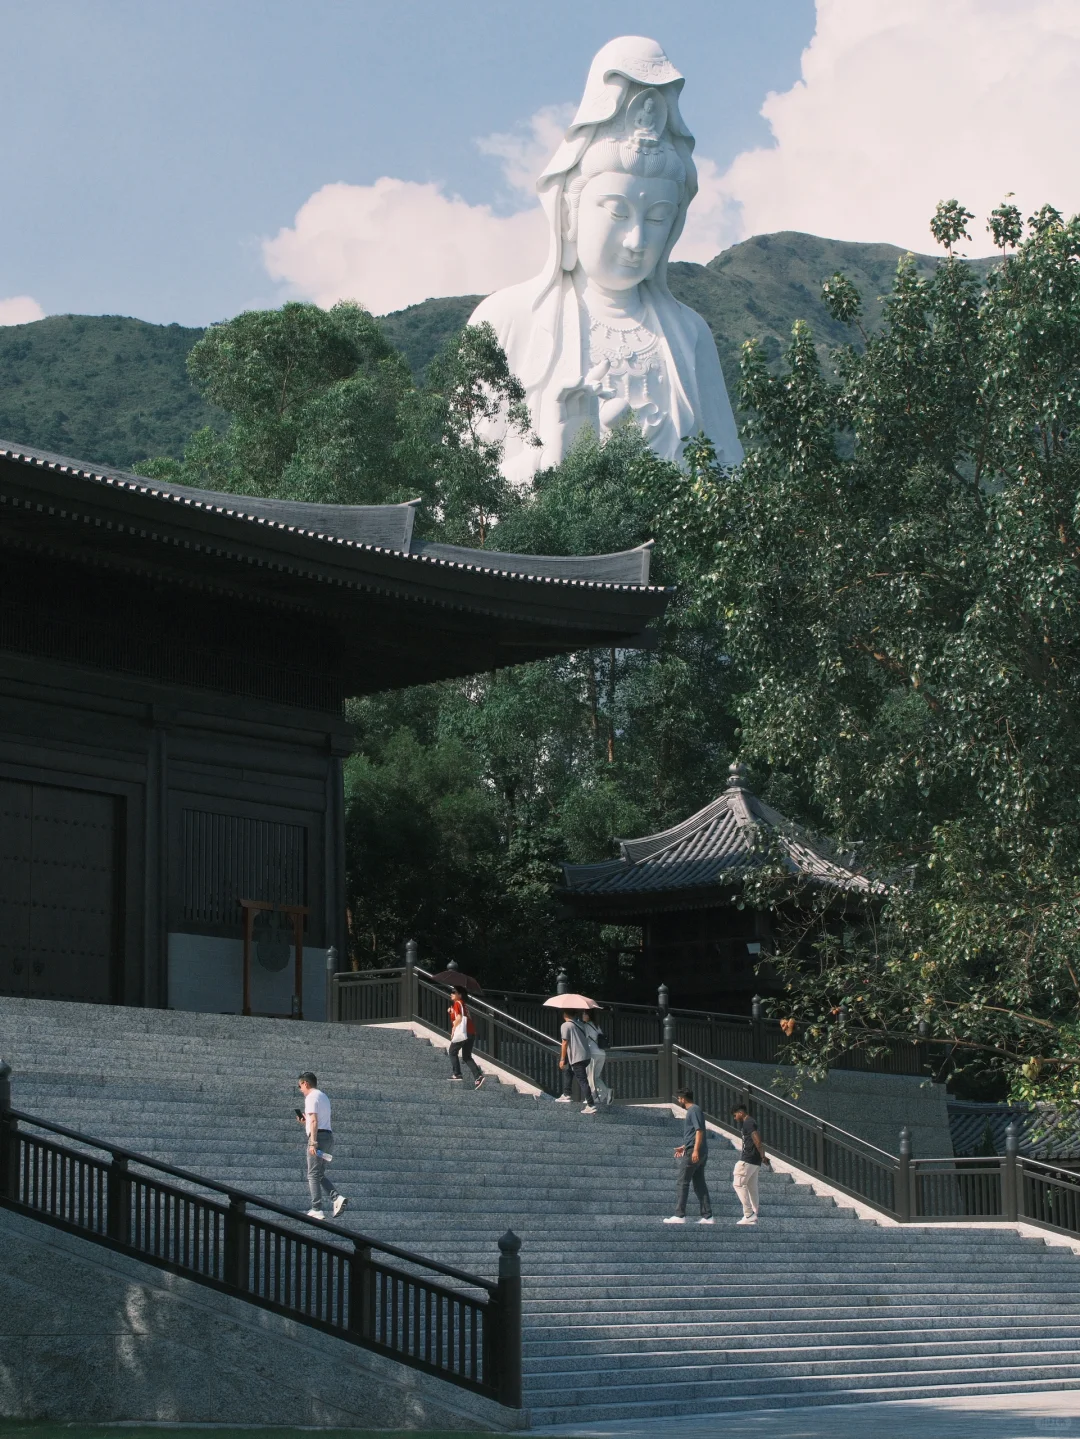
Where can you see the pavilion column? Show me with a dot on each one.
(152, 986)
(334, 925)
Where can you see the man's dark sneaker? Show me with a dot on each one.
(480, 1082)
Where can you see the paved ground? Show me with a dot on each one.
(1011, 1416)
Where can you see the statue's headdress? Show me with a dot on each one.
(628, 121)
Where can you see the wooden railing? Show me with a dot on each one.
(422, 1313)
(371, 996)
(1005, 1187)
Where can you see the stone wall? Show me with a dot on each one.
(91, 1336)
(873, 1106)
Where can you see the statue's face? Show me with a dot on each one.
(623, 225)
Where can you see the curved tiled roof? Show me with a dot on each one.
(376, 527)
(1040, 1130)
(716, 846)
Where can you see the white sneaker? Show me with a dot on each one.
(563, 1099)
(588, 1109)
(675, 1219)
(315, 1214)
(339, 1204)
(747, 1219)
(709, 1220)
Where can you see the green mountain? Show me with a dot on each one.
(99, 387)
(115, 390)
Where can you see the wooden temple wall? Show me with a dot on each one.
(133, 818)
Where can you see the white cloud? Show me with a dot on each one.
(524, 151)
(20, 310)
(903, 103)
(396, 242)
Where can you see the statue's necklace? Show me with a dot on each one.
(628, 345)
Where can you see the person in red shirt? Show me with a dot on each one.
(462, 1039)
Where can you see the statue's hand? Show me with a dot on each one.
(613, 411)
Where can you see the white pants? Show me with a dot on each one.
(597, 1060)
(745, 1183)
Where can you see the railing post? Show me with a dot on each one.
(331, 970)
(819, 1147)
(237, 1244)
(904, 1173)
(1010, 1173)
(757, 1037)
(9, 1167)
(509, 1320)
(362, 1292)
(562, 986)
(118, 1199)
(408, 981)
(668, 1077)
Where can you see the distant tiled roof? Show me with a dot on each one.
(1041, 1136)
(716, 846)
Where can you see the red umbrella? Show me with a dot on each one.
(457, 978)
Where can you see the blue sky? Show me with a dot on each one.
(185, 159)
(149, 146)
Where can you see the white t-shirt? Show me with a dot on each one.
(316, 1102)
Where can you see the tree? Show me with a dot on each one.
(462, 798)
(896, 565)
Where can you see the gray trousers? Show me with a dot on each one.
(687, 1173)
(318, 1184)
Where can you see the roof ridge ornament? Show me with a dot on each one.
(738, 776)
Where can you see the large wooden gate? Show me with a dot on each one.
(59, 893)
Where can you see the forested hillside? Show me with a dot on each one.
(115, 390)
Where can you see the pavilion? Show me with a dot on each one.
(173, 669)
(684, 888)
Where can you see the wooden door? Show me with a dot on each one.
(58, 899)
(16, 846)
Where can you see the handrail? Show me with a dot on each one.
(751, 1038)
(746, 1086)
(1004, 1188)
(225, 1238)
(321, 1226)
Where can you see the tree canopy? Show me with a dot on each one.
(895, 567)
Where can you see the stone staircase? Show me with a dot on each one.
(624, 1318)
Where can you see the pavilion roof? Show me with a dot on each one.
(714, 850)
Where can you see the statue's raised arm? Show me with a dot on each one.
(598, 335)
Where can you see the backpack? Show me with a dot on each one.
(601, 1038)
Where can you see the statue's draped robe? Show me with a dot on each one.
(543, 324)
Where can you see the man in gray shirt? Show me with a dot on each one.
(574, 1060)
(692, 1156)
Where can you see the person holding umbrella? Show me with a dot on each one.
(574, 1060)
(462, 1039)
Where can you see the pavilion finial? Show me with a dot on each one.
(738, 776)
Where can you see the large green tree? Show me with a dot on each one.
(896, 566)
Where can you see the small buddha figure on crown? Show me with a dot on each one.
(598, 337)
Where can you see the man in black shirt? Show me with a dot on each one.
(692, 1155)
(748, 1166)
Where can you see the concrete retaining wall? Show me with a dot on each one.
(873, 1106)
(91, 1336)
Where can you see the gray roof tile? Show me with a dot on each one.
(720, 844)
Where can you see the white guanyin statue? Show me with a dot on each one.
(598, 334)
